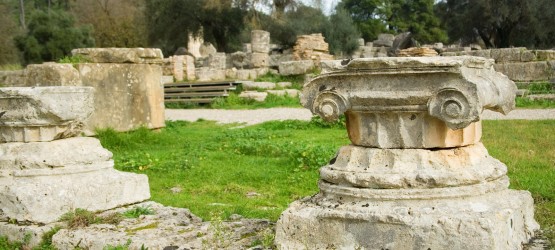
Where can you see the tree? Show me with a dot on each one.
(52, 35)
(396, 16)
(499, 23)
(8, 29)
(115, 23)
(342, 35)
(170, 22)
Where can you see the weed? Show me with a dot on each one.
(80, 218)
(138, 211)
(74, 59)
(83, 218)
(297, 81)
(10, 67)
(220, 234)
(118, 247)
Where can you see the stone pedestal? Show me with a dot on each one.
(44, 175)
(416, 175)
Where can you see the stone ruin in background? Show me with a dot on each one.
(46, 169)
(416, 175)
(127, 95)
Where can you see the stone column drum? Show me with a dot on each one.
(416, 175)
(46, 169)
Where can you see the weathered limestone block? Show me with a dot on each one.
(51, 74)
(190, 68)
(43, 113)
(12, 78)
(545, 55)
(260, 60)
(415, 51)
(529, 71)
(178, 68)
(385, 40)
(246, 74)
(416, 175)
(17, 158)
(120, 55)
(207, 49)
(284, 92)
(249, 85)
(296, 67)
(216, 61)
(240, 60)
(166, 79)
(527, 56)
(254, 95)
(506, 55)
(127, 96)
(260, 41)
(481, 53)
(284, 84)
(42, 197)
(311, 47)
(206, 74)
(276, 59)
(500, 220)
(40, 181)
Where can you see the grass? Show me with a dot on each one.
(233, 101)
(10, 67)
(297, 81)
(535, 88)
(218, 165)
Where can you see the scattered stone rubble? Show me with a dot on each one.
(167, 228)
(416, 175)
(519, 64)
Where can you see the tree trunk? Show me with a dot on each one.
(22, 15)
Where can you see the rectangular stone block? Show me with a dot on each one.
(120, 55)
(545, 55)
(45, 198)
(296, 67)
(216, 61)
(529, 71)
(190, 68)
(12, 78)
(206, 74)
(260, 41)
(127, 96)
(260, 60)
(51, 74)
(506, 55)
(178, 68)
(246, 74)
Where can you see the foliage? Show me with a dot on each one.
(83, 218)
(52, 35)
(229, 162)
(220, 237)
(118, 247)
(73, 59)
(115, 23)
(171, 21)
(380, 16)
(8, 50)
(342, 35)
(297, 81)
(138, 211)
(499, 23)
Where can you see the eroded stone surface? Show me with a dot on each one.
(45, 196)
(72, 152)
(38, 114)
(416, 175)
(451, 89)
(120, 55)
(51, 74)
(168, 227)
(501, 220)
(127, 96)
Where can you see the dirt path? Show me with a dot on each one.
(256, 116)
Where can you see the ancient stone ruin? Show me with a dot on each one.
(46, 169)
(416, 175)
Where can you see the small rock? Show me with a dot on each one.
(252, 194)
(176, 190)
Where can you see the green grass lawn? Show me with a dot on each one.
(257, 171)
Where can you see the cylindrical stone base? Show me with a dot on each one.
(500, 220)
